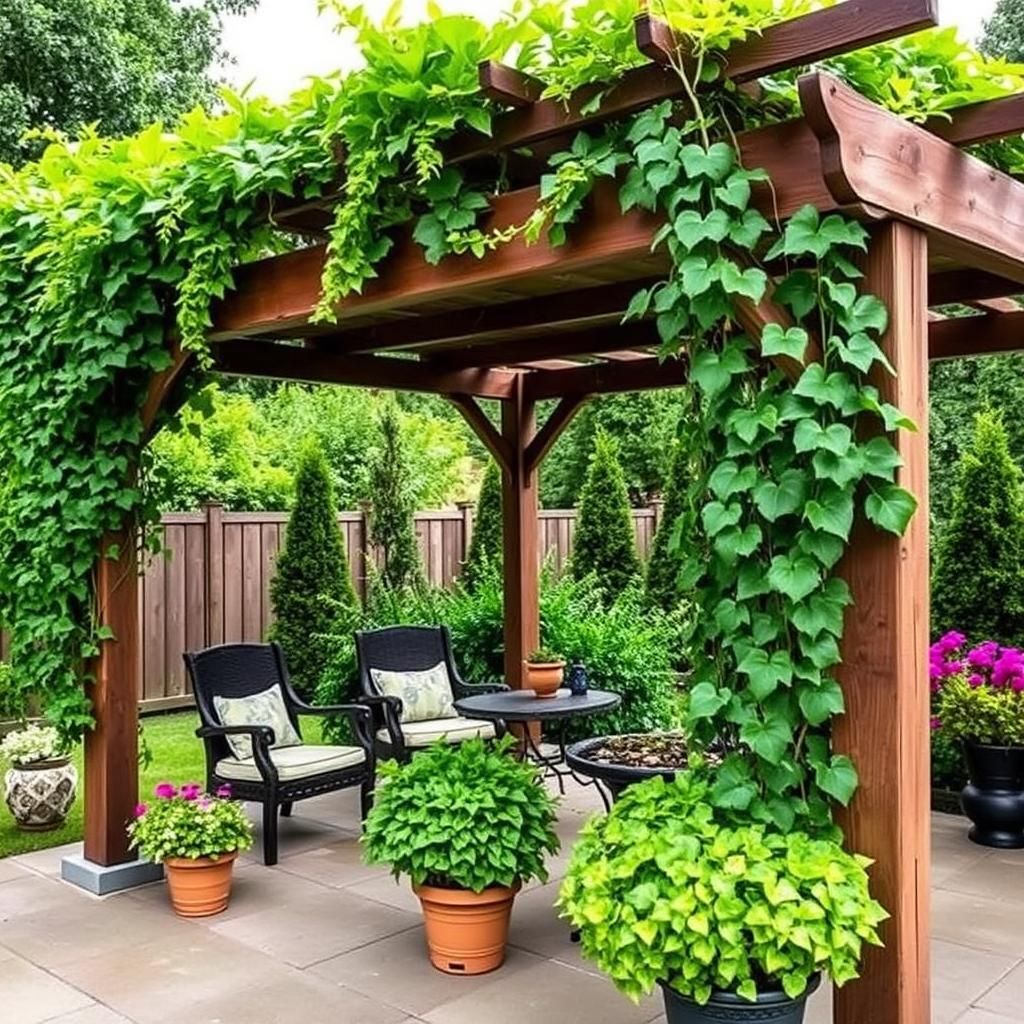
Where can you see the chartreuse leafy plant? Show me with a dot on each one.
(662, 891)
(462, 816)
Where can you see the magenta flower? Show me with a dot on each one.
(224, 792)
(976, 680)
(166, 790)
(936, 723)
(140, 810)
(191, 790)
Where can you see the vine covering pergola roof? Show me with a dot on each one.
(527, 322)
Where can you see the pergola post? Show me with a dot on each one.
(884, 672)
(112, 748)
(519, 506)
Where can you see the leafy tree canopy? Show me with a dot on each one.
(1004, 31)
(68, 64)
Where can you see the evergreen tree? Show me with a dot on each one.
(1004, 31)
(311, 591)
(662, 581)
(393, 505)
(485, 549)
(978, 579)
(604, 542)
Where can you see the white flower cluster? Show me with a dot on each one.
(35, 743)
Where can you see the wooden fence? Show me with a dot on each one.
(212, 584)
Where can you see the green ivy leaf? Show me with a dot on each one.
(716, 517)
(775, 500)
(791, 342)
(880, 458)
(794, 576)
(715, 162)
(797, 291)
(890, 508)
(769, 738)
(838, 778)
(832, 511)
(706, 701)
(766, 672)
(734, 543)
(727, 479)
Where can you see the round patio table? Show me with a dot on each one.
(523, 706)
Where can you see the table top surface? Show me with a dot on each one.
(525, 706)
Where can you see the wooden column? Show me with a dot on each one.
(884, 672)
(519, 525)
(112, 747)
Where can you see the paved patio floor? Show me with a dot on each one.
(323, 938)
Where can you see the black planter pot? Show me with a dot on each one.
(614, 777)
(994, 797)
(770, 1008)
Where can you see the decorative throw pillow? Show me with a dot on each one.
(424, 695)
(264, 708)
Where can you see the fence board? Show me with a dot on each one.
(215, 585)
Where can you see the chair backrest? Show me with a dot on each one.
(401, 649)
(237, 670)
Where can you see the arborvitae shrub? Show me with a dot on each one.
(485, 549)
(604, 542)
(392, 530)
(978, 579)
(662, 581)
(311, 591)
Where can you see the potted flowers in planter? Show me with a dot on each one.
(469, 825)
(982, 707)
(40, 785)
(197, 836)
(545, 671)
(733, 922)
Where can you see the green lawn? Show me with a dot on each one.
(177, 756)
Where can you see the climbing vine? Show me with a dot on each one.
(110, 247)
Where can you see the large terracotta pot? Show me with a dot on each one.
(39, 795)
(544, 678)
(466, 931)
(199, 887)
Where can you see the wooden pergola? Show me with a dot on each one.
(530, 323)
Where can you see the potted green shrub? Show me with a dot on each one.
(469, 825)
(545, 671)
(733, 922)
(197, 837)
(981, 705)
(40, 785)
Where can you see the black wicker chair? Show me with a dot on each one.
(409, 649)
(241, 670)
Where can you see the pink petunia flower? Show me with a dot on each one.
(191, 790)
(140, 810)
(224, 792)
(166, 790)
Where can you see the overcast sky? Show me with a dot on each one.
(284, 40)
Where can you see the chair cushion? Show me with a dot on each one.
(425, 695)
(264, 708)
(451, 730)
(295, 762)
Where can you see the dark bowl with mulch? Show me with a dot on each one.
(619, 761)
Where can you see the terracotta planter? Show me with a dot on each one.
(544, 678)
(40, 794)
(199, 887)
(466, 931)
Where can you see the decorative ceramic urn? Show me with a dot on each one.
(40, 793)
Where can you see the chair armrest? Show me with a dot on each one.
(391, 712)
(470, 689)
(262, 737)
(360, 714)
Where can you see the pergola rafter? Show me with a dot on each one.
(527, 324)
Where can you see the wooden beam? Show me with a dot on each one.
(491, 437)
(976, 335)
(502, 84)
(981, 122)
(290, 362)
(559, 418)
(655, 39)
(496, 322)
(162, 387)
(277, 296)
(112, 746)
(803, 40)
(972, 212)
(593, 341)
(884, 673)
(519, 535)
(950, 287)
(606, 378)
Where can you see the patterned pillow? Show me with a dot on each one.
(424, 695)
(263, 708)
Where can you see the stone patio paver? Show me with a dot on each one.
(321, 937)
